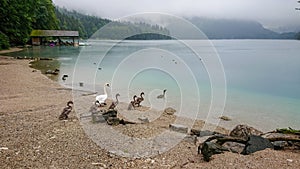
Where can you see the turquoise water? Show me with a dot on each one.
(262, 76)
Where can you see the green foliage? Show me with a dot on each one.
(4, 42)
(44, 16)
(288, 131)
(86, 25)
(132, 31)
(19, 18)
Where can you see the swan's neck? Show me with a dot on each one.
(117, 99)
(104, 88)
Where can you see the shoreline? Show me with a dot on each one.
(30, 104)
(14, 49)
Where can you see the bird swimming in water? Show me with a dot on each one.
(66, 111)
(114, 104)
(102, 98)
(162, 95)
(64, 78)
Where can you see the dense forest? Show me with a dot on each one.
(132, 31)
(85, 24)
(88, 25)
(19, 19)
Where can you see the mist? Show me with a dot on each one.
(278, 15)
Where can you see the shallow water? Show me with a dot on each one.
(262, 76)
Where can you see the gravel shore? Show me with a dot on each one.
(31, 136)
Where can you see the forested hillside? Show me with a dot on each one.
(132, 31)
(19, 19)
(88, 25)
(85, 24)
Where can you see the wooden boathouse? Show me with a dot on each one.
(39, 37)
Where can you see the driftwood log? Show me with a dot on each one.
(214, 144)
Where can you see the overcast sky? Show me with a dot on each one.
(278, 15)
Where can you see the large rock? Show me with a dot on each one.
(256, 143)
(209, 148)
(244, 131)
(179, 128)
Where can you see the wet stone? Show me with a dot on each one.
(179, 128)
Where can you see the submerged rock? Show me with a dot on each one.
(225, 118)
(52, 72)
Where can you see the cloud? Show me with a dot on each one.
(271, 13)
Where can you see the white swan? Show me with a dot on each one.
(101, 98)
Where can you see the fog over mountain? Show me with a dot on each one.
(236, 29)
(277, 15)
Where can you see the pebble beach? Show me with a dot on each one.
(31, 136)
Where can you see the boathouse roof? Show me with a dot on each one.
(54, 33)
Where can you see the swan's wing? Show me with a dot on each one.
(101, 98)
